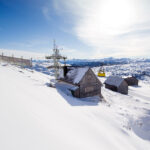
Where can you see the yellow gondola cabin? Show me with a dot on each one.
(101, 72)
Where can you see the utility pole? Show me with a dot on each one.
(56, 57)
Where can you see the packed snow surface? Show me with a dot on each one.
(34, 116)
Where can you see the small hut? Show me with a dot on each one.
(86, 83)
(131, 81)
(117, 84)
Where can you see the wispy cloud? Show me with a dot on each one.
(72, 53)
(111, 27)
(46, 12)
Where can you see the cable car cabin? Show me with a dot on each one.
(101, 72)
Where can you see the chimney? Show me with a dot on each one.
(65, 70)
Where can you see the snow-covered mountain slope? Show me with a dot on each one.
(139, 69)
(105, 61)
(34, 116)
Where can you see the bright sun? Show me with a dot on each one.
(116, 15)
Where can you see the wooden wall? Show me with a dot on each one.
(90, 86)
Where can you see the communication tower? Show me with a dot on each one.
(56, 56)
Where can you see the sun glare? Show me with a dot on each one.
(116, 15)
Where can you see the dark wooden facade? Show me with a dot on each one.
(131, 81)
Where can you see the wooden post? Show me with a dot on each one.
(12, 59)
(22, 61)
(2, 56)
(31, 63)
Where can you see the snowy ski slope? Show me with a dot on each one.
(34, 116)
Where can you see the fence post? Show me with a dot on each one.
(31, 62)
(22, 61)
(12, 59)
(2, 56)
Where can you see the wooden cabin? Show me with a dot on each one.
(86, 83)
(116, 83)
(131, 81)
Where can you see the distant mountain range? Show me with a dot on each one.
(105, 61)
(40, 57)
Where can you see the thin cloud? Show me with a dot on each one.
(46, 12)
(111, 27)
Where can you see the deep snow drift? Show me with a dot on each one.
(34, 116)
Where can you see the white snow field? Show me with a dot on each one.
(34, 116)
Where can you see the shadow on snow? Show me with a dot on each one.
(141, 127)
(73, 101)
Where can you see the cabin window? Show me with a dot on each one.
(89, 89)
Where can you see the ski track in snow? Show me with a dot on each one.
(35, 116)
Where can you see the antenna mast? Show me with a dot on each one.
(56, 57)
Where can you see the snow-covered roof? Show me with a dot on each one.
(76, 74)
(114, 80)
(129, 77)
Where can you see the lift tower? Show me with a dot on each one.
(56, 57)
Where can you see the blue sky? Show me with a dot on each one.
(83, 28)
(25, 26)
